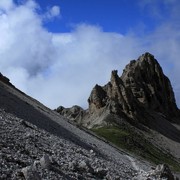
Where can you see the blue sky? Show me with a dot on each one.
(109, 14)
(112, 15)
(57, 50)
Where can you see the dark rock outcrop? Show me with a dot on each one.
(5, 80)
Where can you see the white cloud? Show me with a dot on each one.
(164, 10)
(61, 69)
(52, 12)
(27, 41)
(55, 11)
(6, 4)
(21, 77)
(85, 57)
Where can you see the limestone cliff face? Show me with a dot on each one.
(142, 87)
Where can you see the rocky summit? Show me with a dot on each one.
(150, 87)
(142, 87)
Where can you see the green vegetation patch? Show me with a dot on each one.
(133, 142)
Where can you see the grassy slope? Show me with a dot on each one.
(134, 142)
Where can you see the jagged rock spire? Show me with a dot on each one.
(149, 85)
(142, 86)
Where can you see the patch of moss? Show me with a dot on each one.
(135, 143)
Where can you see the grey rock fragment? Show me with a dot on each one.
(45, 162)
(82, 166)
(30, 173)
(161, 172)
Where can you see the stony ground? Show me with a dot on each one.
(26, 151)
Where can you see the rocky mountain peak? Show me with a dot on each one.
(141, 90)
(142, 86)
(146, 57)
(149, 85)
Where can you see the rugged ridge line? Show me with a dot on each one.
(142, 89)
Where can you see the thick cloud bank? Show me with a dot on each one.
(61, 68)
